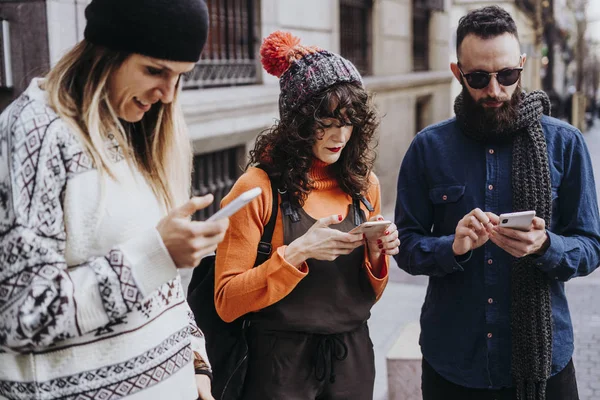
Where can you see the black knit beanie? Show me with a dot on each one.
(173, 30)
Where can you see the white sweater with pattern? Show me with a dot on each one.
(91, 304)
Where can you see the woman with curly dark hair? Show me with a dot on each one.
(308, 304)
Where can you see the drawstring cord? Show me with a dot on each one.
(332, 347)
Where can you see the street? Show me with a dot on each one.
(402, 300)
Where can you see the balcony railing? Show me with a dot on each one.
(229, 57)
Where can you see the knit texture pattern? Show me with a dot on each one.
(163, 29)
(531, 313)
(303, 71)
(91, 304)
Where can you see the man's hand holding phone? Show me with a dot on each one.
(518, 242)
(472, 232)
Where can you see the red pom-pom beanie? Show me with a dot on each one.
(303, 71)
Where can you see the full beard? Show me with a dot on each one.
(495, 123)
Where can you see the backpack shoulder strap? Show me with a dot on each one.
(264, 246)
(358, 215)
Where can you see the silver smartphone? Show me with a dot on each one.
(518, 220)
(236, 204)
(372, 229)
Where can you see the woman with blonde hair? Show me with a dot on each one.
(95, 215)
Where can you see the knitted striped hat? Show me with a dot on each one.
(303, 71)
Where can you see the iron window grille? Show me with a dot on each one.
(229, 56)
(421, 22)
(421, 17)
(355, 33)
(215, 173)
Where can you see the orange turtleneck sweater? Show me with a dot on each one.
(240, 288)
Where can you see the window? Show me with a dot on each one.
(420, 36)
(422, 113)
(229, 56)
(216, 173)
(355, 33)
(421, 18)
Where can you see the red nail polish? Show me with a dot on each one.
(381, 246)
(340, 217)
(380, 218)
(387, 233)
(379, 241)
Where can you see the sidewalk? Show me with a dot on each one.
(400, 304)
(584, 302)
(402, 300)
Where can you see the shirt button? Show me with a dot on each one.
(491, 187)
(489, 335)
(444, 197)
(491, 151)
(490, 261)
(490, 300)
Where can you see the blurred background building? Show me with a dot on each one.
(400, 46)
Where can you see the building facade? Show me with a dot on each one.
(400, 46)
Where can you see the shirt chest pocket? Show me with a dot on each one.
(448, 208)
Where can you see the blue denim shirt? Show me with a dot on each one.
(465, 319)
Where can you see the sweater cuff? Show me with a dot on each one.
(151, 264)
(445, 257)
(383, 273)
(297, 272)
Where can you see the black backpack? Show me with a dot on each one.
(226, 343)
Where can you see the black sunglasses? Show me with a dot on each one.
(480, 79)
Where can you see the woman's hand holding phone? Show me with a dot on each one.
(385, 244)
(188, 241)
(322, 243)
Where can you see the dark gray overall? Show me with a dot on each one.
(314, 343)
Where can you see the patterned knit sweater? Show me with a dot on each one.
(91, 304)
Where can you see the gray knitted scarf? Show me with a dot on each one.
(531, 314)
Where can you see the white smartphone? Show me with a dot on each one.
(236, 204)
(518, 220)
(372, 229)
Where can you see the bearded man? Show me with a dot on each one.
(495, 323)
